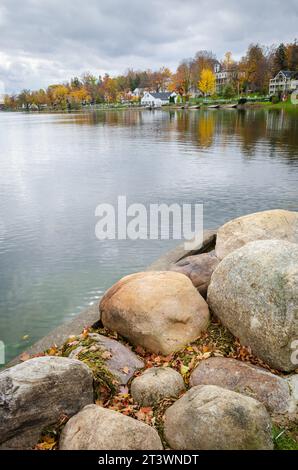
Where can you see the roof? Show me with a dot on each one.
(287, 73)
(162, 95)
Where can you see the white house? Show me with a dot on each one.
(138, 92)
(285, 81)
(157, 100)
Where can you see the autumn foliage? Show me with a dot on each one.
(195, 75)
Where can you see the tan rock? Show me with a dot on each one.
(97, 428)
(213, 418)
(271, 390)
(156, 384)
(254, 293)
(273, 224)
(198, 268)
(159, 310)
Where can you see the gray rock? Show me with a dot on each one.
(156, 384)
(36, 393)
(213, 418)
(158, 310)
(293, 407)
(273, 224)
(254, 293)
(271, 390)
(122, 363)
(198, 268)
(97, 428)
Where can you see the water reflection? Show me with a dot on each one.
(56, 168)
(275, 129)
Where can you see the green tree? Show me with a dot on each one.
(280, 60)
(228, 91)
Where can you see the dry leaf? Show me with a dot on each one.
(184, 369)
(106, 355)
(123, 390)
(24, 357)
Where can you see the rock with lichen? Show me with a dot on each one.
(208, 417)
(254, 293)
(36, 393)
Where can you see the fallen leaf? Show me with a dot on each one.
(140, 350)
(24, 357)
(146, 409)
(48, 443)
(184, 369)
(125, 370)
(52, 351)
(106, 355)
(123, 390)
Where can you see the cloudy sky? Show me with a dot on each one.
(45, 41)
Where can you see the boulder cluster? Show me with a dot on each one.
(248, 283)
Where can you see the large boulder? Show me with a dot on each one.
(271, 390)
(121, 361)
(198, 268)
(213, 418)
(158, 310)
(36, 393)
(254, 293)
(273, 224)
(97, 428)
(155, 384)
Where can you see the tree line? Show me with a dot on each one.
(250, 74)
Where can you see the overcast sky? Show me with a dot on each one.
(46, 41)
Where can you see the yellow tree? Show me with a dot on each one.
(58, 95)
(207, 82)
(228, 60)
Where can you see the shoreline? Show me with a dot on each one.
(230, 104)
(90, 316)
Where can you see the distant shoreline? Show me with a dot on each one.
(175, 107)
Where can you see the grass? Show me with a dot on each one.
(285, 438)
(94, 356)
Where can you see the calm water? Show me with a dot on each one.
(55, 169)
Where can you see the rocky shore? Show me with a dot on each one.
(199, 352)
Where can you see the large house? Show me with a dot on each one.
(156, 100)
(284, 82)
(224, 76)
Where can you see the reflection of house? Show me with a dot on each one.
(1, 101)
(285, 82)
(156, 99)
(224, 76)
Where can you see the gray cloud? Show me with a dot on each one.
(49, 41)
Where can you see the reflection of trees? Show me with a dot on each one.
(206, 126)
(109, 117)
(276, 130)
(199, 127)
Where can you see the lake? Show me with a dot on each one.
(56, 168)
